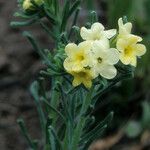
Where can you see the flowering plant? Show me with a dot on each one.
(79, 71)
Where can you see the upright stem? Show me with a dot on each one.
(80, 125)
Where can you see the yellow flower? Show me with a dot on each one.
(97, 32)
(129, 49)
(85, 77)
(105, 59)
(78, 56)
(27, 5)
(128, 45)
(79, 62)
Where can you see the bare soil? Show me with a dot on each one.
(19, 66)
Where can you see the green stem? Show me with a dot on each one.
(82, 119)
(55, 96)
(87, 102)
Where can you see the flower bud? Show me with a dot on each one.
(27, 5)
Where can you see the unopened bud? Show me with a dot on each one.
(27, 4)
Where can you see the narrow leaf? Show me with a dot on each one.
(23, 128)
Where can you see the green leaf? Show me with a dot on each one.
(35, 88)
(92, 135)
(32, 143)
(77, 133)
(34, 43)
(52, 140)
(50, 16)
(89, 122)
(39, 50)
(76, 32)
(56, 6)
(93, 17)
(23, 23)
(64, 102)
(65, 15)
(25, 16)
(63, 38)
(48, 2)
(47, 30)
(48, 123)
(74, 7)
(74, 22)
(55, 110)
(56, 138)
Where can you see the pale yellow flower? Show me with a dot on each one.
(27, 5)
(128, 45)
(78, 56)
(79, 62)
(105, 59)
(130, 49)
(97, 32)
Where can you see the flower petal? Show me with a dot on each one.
(85, 46)
(128, 27)
(110, 33)
(112, 56)
(85, 33)
(76, 82)
(67, 64)
(124, 28)
(133, 61)
(87, 83)
(133, 39)
(70, 49)
(120, 22)
(97, 27)
(95, 33)
(124, 59)
(121, 44)
(140, 49)
(70, 65)
(100, 47)
(108, 71)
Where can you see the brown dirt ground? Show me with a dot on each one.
(19, 66)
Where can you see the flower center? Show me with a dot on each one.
(80, 57)
(99, 60)
(128, 51)
(82, 74)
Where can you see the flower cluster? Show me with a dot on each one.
(94, 56)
